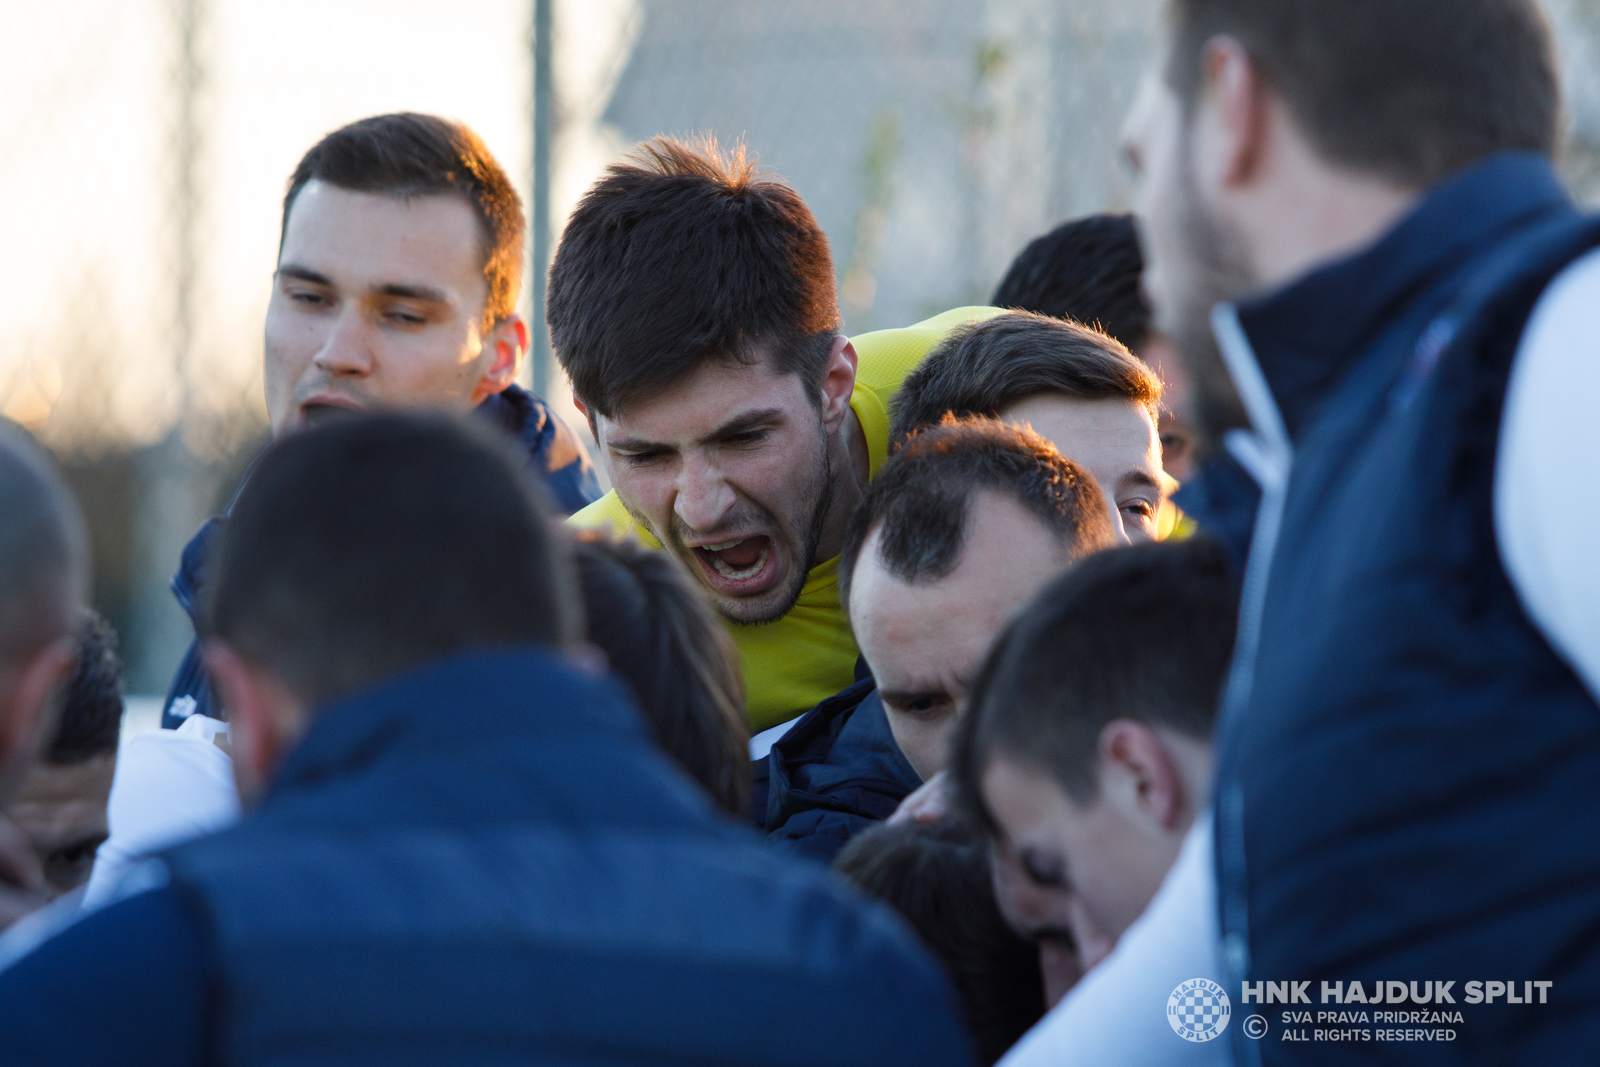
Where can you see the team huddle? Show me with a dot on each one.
(1042, 682)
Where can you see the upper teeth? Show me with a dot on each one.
(724, 546)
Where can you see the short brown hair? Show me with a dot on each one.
(412, 536)
(1411, 90)
(1143, 633)
(680, 256)
(985, 368)
(922, 496)
(409, 155)
(91, 702)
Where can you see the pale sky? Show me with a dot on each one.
(86, 190)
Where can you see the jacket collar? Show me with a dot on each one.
(502, 694)
(512, 409)
(1308, 333)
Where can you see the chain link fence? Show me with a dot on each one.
(148, 142)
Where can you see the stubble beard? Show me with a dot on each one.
(1216, 270)
(819, 488)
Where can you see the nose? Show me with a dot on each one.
(346, 351)
(704, 496)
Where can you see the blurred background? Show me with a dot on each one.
(148, 143)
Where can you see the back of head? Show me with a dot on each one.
(44, 553)
(921, 497)
(937, 877)
(983, 369)
(676, 656)
(91, 707)
(681, 256)
(1142, 633)
(1409, 90)
(377, 543)
(409, 155)
(1087, 270)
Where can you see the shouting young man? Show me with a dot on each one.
(692, 304)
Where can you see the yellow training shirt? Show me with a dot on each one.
(810, 654)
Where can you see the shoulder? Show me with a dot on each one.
(886, 357)
(124, 985)
(1544, 521)
(835, 774)
(609, 514)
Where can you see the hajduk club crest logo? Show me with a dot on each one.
(1198, 1010)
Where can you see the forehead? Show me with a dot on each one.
(715, 393)
(57, 800)
(376, 239)
(928, 630)
(1110, 433)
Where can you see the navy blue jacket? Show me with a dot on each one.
(835, 773)
(483, 862)
(553, 450)
(1222, 499)
(1408, 778)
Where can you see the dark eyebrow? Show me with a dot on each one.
(404, 292)
(1133, 478)
(305, 274)
(413, 292)
(739, 424)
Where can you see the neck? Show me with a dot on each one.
(1193, 759)
(851, 467)
(1303, 212)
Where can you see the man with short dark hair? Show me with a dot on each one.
(396, 285)
(692, 304)
(1357, 197)
(1090, 270)
(44, 577)
(61, 804)
(964, 523)
(463, 849)
(1077, 388)
(1086, 755)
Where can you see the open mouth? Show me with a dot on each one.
(738, 567)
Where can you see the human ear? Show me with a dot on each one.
(508, 341)
(1139, 775)
(583, 409)
(1234, 116)
(29, 709)
(264, 718)
(838, 382)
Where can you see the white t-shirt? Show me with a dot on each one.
(170, 786)
(1547, 521)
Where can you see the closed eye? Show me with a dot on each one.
(309, 298)
(919, 706)
(1042, 871)
(747, 437)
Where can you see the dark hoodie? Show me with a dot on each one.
(835, 773)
